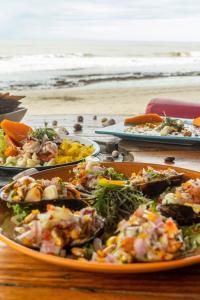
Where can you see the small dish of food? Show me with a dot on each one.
(155, 128)
(23, 147)
(105, 217)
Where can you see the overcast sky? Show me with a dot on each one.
(137, 20)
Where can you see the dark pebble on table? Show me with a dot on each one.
(103, 120)
(115, 154)
(111, 121)
(108, 123)
(77, 127)
(170, 159)
(80, 118)
(55, 123)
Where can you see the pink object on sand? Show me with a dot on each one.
(173, 108)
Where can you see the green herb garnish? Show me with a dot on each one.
(19, 212)
(116, 203)
(41, 133)
(175, 123)
(112, 174)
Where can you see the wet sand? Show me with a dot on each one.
(107, 100)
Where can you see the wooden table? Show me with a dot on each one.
(22, 277)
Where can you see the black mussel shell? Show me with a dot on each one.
(72, 204)
(182, 214)
(156, 187)
(84, 190)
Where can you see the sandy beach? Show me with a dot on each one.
(99, 76)
(97, 101)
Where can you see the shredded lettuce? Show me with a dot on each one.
(114, 175)
(19, 212)
(191, 235)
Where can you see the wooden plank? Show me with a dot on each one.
(21, 276)
(185, 156)
(184, 160)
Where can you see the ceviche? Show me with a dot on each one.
(151, 215)
(25, 147)
(57, 228)
(28, 189)
(153, 124)
(145, 236)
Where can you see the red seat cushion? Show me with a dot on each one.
(173, 108)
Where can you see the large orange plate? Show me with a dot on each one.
(126, 168)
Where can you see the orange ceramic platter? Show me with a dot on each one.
(126, 168)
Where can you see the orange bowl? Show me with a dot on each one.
(126, 168)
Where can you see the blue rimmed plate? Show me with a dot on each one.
(118, 131)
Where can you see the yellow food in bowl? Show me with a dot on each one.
(70, 151)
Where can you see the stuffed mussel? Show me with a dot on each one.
(58, 228)
(153, 182)
(145, 236)
(182, 204)
(28, 191)
(87, 175)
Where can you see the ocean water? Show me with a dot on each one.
(87, 64)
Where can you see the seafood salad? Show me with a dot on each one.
(151, 215)
(145, 236)
(58, 227)
(28, 189)
(86, 175)
(25, 147)
(153, 124)
(151, 175)
(187, 193)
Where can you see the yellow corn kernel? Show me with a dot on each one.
(142, 235)
(74, 234)
(82, 259)
(168, 256)
(79, 252)
(178, 194)
(58, 239)
(152, 217)
(35, 211)
(112, 240)
(86, 218)
(15, 198)
(26, 242)
(100, 253)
